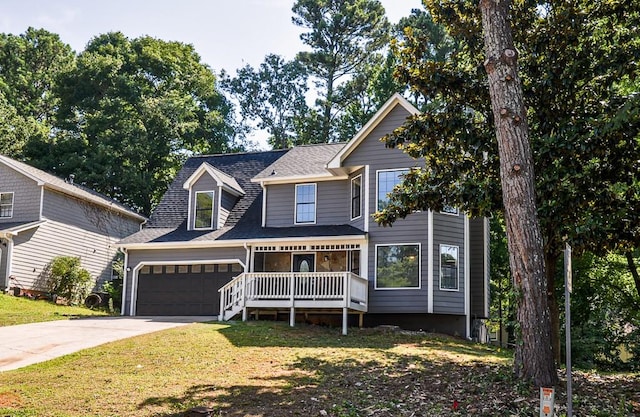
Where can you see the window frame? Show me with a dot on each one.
(196, 210)
(12, 194)
(453, 211)
(419, 264)
(314, 203)
(358, 198)
(401, 171)
(457, 288)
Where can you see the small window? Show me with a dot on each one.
(397, 266)
(196, 269)
(356, 197)
(387, 180)
(305, 203)
(448, 267)
(450, 210)
(6, 205)
(204, 210)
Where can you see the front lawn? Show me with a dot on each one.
(21, 310)
(268, 369)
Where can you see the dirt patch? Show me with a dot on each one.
(9, 400)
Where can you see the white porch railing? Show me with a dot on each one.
(316, 290)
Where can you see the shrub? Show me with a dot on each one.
(114, 289)
(67, 279)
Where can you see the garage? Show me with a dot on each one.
(182, 290)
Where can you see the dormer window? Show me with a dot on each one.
(6, 205)
(212, 196)
(203, 218)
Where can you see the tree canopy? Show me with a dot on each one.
(274, 95)
(576, 61)
(345, 36)
(29, 66)
(129, 113)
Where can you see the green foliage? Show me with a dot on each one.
(605, 314)
(130, 112)
(583, 125)
(29, 66)
(66, 278)
(345, 37)
(114, 289)
(274, 96)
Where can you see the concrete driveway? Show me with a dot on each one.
(27, 344)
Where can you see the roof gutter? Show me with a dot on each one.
(236, 242)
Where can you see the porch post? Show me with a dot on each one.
(292, 312)
(345, 318)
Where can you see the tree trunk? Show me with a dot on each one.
(634, 271)
(534, 354)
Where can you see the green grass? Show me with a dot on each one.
(21, 310)
(268, 369)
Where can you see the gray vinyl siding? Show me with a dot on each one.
(204, 183)
(411, 230)
(26, 195)
(73, 228)
(332, 203)
(448, 230)
(227, 202)
(479, 281)
(373, 152)
(34, 249)
(176, 257)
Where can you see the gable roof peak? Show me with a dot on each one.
(395, 100)
(223, 180)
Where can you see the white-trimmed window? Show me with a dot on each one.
(305, 203)
(387, 180)
(398, 266)
(203, 213)
(6, 205)
(449, 270)
(356, 197)
(450, 210)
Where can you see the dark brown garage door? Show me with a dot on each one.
(182, 290)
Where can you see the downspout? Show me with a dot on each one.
(247, 261)
(264, 204)
(9, 250)
(467, 277)
(124, 280)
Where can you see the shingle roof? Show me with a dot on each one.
(169, 221)
(76, 190)
(302, 161)
(172, 210)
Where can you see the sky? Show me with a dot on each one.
(227, 34)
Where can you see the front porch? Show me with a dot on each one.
(253, 291)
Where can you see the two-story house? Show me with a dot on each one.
(43, 216)
(291, 231)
